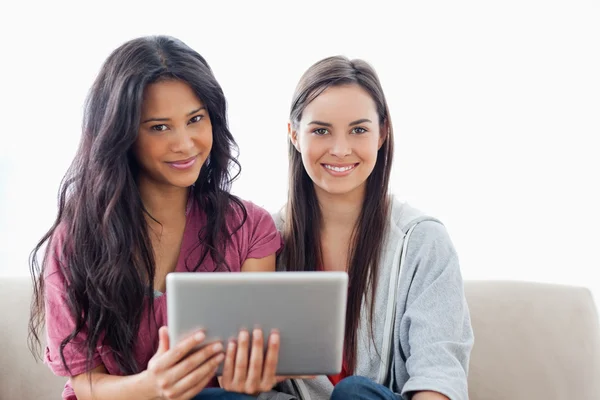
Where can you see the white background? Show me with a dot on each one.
(496, 111)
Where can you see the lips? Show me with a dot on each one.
(339, 170)
(183, 164)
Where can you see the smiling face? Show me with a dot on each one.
(175, 135)
(338, 137)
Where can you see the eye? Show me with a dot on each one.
(358, 130)
(159, 128)
(320, 131)
(196, 118)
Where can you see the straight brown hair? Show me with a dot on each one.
(303, 220)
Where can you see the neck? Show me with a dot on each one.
(164, 203)
(340, 212)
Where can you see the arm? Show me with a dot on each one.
(435, 328)
(263, 241)
(265, 264)
(172, 374)
(429, 396)
(107, 386)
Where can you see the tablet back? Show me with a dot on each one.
(308, 309)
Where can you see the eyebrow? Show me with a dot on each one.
(358, 121)
(168, 119)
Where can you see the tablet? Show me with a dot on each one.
(308, 309)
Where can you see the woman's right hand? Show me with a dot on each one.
(175, 374)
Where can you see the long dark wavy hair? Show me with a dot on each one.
(303, 221)
(107, 257)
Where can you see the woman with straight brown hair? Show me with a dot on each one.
(408, 330)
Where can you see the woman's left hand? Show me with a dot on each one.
(249, 370)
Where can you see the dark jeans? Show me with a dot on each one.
(359, 387)
(221, 394)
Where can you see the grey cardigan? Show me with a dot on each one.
(432, 336)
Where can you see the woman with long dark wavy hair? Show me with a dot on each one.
(148, 194)
(408, 331)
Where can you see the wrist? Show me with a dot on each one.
(148, 388)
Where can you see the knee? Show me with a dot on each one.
(350, 387)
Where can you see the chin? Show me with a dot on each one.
(183, 182)
(181, 178)
(182, 185)
(338, 190)
(341, 188)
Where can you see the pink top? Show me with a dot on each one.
(257, 238)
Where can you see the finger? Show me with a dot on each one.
(200, 385)
(241, 360)
(163, 340)
(270, 365)
(229, 365)
(163, 347)
(193, 383)
(179, 351)
(255, 367)
(193, 361)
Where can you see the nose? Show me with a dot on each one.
(340, 146)
(182, 141)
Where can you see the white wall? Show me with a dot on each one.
(495, 108)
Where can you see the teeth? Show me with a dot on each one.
(339, 169)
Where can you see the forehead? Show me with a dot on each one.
(341, 103)
(169, 97)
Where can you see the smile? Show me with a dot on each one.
(183, 164)
(339, 169)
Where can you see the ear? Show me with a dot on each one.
(293, 135)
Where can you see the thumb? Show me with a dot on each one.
(163, 340)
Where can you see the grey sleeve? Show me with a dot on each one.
(435, 331)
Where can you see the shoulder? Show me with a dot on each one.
(429, 235)
(250, 215)
(431, 256)
(243, 211)
(429, 241)
(428, 232)
(403, 215)
(255, 212)
(259, 231)
(55, 264)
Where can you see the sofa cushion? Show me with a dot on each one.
(21, 377)
(533, 341)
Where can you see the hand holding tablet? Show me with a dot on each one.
(306, 308)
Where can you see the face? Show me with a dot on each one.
(175, 136)
(339, 136)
